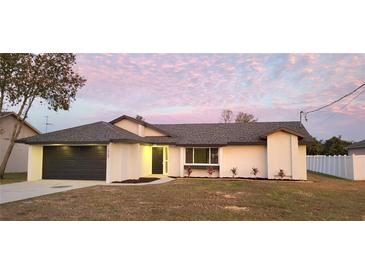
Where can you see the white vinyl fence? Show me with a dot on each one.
(348, 167)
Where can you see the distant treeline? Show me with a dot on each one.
(332, 146)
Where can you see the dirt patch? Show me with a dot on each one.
(237, 208)
(145, 203)
(225, 195)
(229, 196)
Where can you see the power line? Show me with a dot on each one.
(349, 102)
(305, 113)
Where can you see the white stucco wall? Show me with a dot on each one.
(244, 158)
(129, 125)
(146, 160)
(302, 162)
(18, 160)
(123, 162)
(152, 132)
(138, 129)
(174, 161)
(279, 154)
(283, 153)
(35, 163)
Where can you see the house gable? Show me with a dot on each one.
(7, 123)
(138, 127)
(149, 132)
(129, 126)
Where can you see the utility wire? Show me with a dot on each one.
(349, 102)
(330, 104)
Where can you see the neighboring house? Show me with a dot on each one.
(127, 148)
(18, 161)
(357, 148)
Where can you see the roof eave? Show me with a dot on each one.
(62, 142)
(287, 130)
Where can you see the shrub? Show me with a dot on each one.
(189, 171)
(255, 171)
(281, 173)
(210, 170)
(234, 171)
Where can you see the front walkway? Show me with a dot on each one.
(25, 190)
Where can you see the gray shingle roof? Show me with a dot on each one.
(180, 134)
(95, 133)
(231, 133)
(360, 144)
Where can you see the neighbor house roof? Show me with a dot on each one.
(211, 134)
(10, 113)
(360, 144)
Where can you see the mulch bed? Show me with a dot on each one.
(138, 181)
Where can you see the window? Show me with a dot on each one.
(189, 155)
(214, 155)
(201, 156)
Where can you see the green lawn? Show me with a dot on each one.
(13, 178)
(322, 198)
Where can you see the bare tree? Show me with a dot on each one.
(243, 117)
(227, 116)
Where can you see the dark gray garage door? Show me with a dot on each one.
(74, 162)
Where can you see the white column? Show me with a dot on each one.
(138, 161)
(221, 163)
(108, 163)
(294, 157)
(182, 161)
(35, 163)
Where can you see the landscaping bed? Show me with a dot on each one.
(138, 181)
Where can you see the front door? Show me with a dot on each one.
(157, 160)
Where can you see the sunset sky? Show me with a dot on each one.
(184, 88)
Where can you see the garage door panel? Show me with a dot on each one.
(74, 162)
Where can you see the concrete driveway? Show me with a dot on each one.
(25, 190)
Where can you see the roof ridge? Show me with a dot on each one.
(233, 123)
(57, 131)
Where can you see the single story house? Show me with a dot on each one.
(357, 148)
(128, 148)
(18, 161)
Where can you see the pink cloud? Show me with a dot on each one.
(196, 87)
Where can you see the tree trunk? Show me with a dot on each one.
(6, 158)
(16, 131)
(2, 99)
